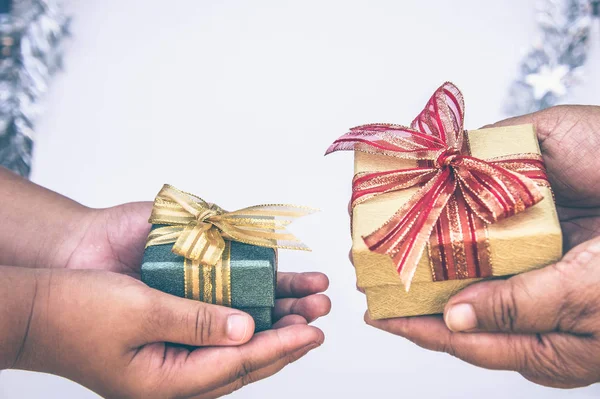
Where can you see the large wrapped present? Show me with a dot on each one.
(436, 208)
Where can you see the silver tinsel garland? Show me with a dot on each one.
(30, 52)
(32, 33)
(555, 63)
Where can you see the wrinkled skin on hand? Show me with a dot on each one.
(544, 324)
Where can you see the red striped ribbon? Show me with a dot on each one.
(458, 196)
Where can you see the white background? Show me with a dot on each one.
(255, 92)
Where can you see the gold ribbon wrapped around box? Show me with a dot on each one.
(199, 251)
(529, 240)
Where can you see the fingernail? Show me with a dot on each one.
(237, 326)
(461, 317)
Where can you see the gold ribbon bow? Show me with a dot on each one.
(198, 229)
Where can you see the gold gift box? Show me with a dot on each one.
(526, 241)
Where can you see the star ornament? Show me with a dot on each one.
(548, 80)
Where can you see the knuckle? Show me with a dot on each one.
(578, 261)
(518, 354)
(294, 307)
(551, 118)
(294, 285)
(504, 307)
(565, 270)
(203, 323)
(562, 267)
(449, 347)
(243, 374)
(155, 316)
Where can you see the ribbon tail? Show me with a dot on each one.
(369, 185)
(164, 235)
(198, 229)
(406, 234)
(269, 238)
(494, 192)
(527, 164)
(408, 260)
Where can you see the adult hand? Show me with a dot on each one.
(544, 324)
(114, 335)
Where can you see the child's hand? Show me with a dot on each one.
(43, 229)
(118, 337)
(110, 332)
(115, 237)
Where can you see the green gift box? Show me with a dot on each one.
(245, 279)
(199, 251)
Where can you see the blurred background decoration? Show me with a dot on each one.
(31, 34)
(556, 63)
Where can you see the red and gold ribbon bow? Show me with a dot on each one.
(198, 229)
(459, 193)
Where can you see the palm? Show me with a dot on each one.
(114, 240)
(569, 139)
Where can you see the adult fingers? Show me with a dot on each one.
(555, 298)
(492, 351)
(544, 121)
(553, 359)
(527, 303)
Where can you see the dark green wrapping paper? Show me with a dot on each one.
(253, 278)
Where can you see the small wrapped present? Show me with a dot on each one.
(196, 250)
(436, 208)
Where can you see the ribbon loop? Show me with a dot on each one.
(198, 229)
(489, 190)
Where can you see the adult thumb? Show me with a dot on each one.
(527, 303)
(195, 323)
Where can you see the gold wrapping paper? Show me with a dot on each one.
(529, 240)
